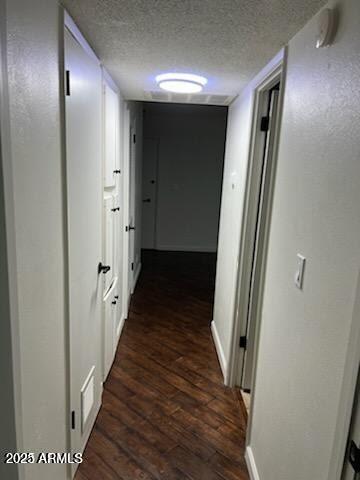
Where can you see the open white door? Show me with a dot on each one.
(84, 201)
(259, 255)
(149, 193)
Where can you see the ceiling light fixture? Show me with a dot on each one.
(181, 82)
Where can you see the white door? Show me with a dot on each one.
(149, 192)
(83, 108)
(259, 247)
(352, 459)
(132, 207)
(110, 136)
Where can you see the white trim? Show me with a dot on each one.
(125, 191)
(119, 328)
(219, 350)
(186, 248)
(347, 393)
(136, 277)
(111, 288)
(250, 462)
(79, 37)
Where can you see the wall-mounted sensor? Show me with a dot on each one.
(299, 275)
(327, 26)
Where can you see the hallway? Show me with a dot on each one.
(166, 414)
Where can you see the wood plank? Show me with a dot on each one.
(166, 414)
(228, 469)
(190, 465)
(146, 455)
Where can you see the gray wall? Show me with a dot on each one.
(8, 440)
(35, 121)
(305, 335)
(190, 164)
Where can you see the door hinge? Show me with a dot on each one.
(243, 342)
(264, 125)
(73, 420)
(134, 138)
(354, 456)
(67, 83)
(132, 266)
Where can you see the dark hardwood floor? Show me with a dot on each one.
(166, 414)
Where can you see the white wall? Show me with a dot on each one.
(305, 334)
(33, 58)
(190, 163)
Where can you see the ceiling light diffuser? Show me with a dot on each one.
(181, 82)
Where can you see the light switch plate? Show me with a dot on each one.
(299, 275)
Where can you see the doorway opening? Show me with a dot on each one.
(182, 168)
(256, 224)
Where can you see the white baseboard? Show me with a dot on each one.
(136, 277)
(186, 248)
(219, 350)
(250, 462)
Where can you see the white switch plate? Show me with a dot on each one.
(299, 275)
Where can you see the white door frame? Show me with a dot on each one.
(260, 94)
(348, 390)
(126, 202)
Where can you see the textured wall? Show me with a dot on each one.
(33, 56)
(305, 334)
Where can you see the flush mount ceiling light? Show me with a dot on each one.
(181, 82)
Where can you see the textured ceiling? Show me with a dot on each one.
(227, 41)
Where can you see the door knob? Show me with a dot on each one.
(117, 171)
(103, 268)
(147, 200)
(114, 302)
(116, 297)
(117, 209)
(131, 228)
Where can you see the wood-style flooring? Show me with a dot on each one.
(166, 414)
